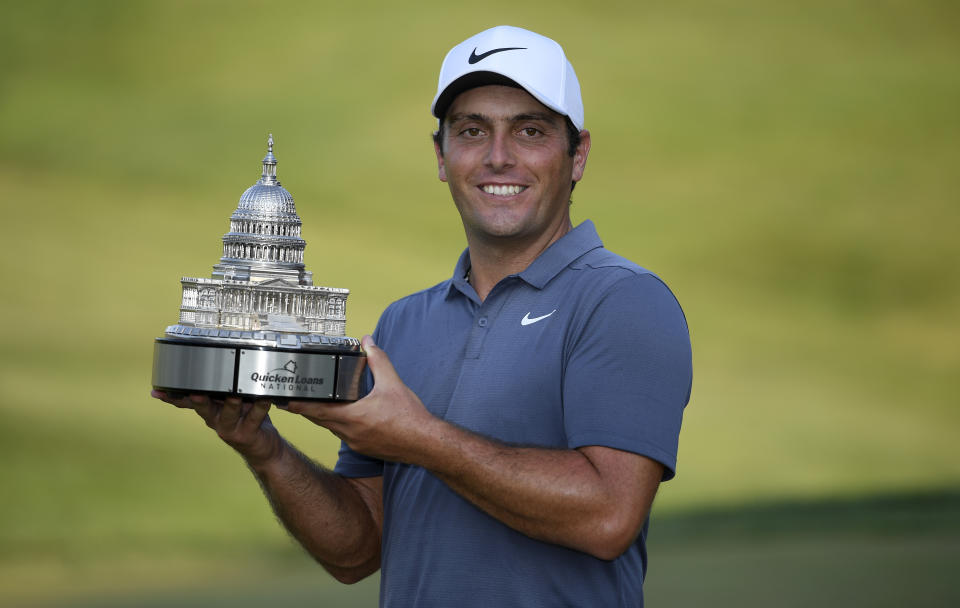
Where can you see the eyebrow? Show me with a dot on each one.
(461, 116)
(543, 116)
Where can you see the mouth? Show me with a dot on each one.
(503, 189)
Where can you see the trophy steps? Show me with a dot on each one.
(330, 371)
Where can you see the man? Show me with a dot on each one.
(523, 412)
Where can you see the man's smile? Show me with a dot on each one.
(503, 189)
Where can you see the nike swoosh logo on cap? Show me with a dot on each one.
(474, 58)
(526, 320)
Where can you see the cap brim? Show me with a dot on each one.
(464, 83)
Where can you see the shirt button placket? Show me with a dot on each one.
(488, 313)
(477, 336)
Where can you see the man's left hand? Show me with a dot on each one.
(390, 423)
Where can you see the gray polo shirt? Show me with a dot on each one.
(581, 348)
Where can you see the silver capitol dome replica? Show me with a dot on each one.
(259, 326)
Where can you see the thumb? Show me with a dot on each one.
(378, 361)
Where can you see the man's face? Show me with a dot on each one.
(505, 158)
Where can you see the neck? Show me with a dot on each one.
(492, 259)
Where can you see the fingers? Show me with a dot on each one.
(254, 416)
(380, 365)
(329, 415)
(177, 400)
(230, 413)
(204, 408)
(243, 425)
(314, 410)
(332, 416)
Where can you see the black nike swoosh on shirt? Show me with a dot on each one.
(474, 58)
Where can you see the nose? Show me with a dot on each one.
(500, 153)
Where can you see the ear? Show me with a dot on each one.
(580, 156)
(441, 171)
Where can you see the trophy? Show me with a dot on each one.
(259, 328)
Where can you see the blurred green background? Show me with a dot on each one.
(791, 170)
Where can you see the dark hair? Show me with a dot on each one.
(573, 139)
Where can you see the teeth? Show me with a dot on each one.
(503, 190)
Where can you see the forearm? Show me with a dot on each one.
(552, 495)
(556, 495)
(335, 519)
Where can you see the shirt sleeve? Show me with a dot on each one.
(629, 373)
(355, 464)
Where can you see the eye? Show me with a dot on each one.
(471, 132)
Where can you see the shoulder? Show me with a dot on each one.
(421, 304)
(425, 298)
(614, 299)
(601, 258)
(606, 275)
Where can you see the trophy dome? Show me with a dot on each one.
(267, 198)
(261, 200)
(264, 240)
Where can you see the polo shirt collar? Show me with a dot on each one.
(459, 280)
(558, 256)
(561, 254)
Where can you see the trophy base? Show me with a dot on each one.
(216, 367)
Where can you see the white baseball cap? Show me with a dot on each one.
(507, 55)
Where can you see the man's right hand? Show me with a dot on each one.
(243, 425)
